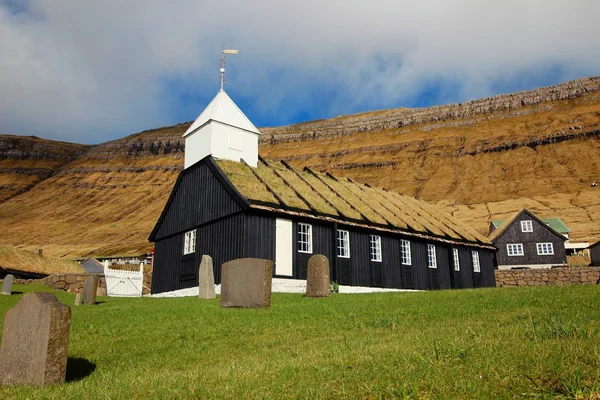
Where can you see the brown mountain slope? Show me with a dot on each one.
(27, 160)
(540, 147)
(104, 203)
(483, 159)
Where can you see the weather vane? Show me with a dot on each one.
(225, 51)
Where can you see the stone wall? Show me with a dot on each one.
(73, 283)
(548, 277)
(76, 282)
(147, 284)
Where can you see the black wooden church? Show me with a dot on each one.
(229, 203)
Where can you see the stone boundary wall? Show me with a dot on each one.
(548, 277)
(76, 282)
(73, 283)
(147, 284)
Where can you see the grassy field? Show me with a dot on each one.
(23, 260)
(483, 343)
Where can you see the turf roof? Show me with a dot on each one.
(279, 186)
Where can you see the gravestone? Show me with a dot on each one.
(89, 292)
(35, 341)
(318, 283)
(7, 285)
(206, 279)
(78, 299)
(246, 283)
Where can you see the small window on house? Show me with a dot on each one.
(405, 247)
(515, 249)
(456, 261)
(304, 238)
(476, 266)
(431, 261)
(375, 248)
(545, 249)
(526, 226)
(343, 244)
(190, 242)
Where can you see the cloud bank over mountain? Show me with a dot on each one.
(97, 70)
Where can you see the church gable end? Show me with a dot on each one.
(201, 194)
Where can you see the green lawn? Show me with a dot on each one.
(482, 343)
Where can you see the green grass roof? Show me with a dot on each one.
(280, 186)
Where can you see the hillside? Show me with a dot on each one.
(14, 259)
(25, 161)
(481, 160)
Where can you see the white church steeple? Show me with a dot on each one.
(222, 130)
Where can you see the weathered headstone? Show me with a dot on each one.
(246, 283)
(89, 292)
(78, 299)
(35, 341)
(7, 285)
(318, 283)
(206, 278)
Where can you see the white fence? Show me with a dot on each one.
(124, 283)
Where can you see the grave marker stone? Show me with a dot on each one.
(89, 292)
(246, 283)
(206, 279)
(78, 299)
(7, 285)
(35, 341)
(318, 283)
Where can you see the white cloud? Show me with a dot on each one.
(90, 71)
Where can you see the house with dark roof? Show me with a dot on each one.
(92, 266)
(555, 223)
(572, 248)
(229, 203)
(526, 241)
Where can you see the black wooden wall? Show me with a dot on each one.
(595, 254)
(227, 239)
(322, 244)
(226, 232)
(199, 197)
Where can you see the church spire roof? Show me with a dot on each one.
(222, 109)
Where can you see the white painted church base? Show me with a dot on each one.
(280, 285)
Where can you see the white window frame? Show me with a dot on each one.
(545, 249)
(476, 263)
(405, 252)
(375, 247)
(456, 259)
(431, 258)
(515, 249)
(343, 244)
(527, 226)
(189, 245)
(305, 238)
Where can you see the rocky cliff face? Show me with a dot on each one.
(452, 115)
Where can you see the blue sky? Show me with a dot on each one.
(97, 70)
